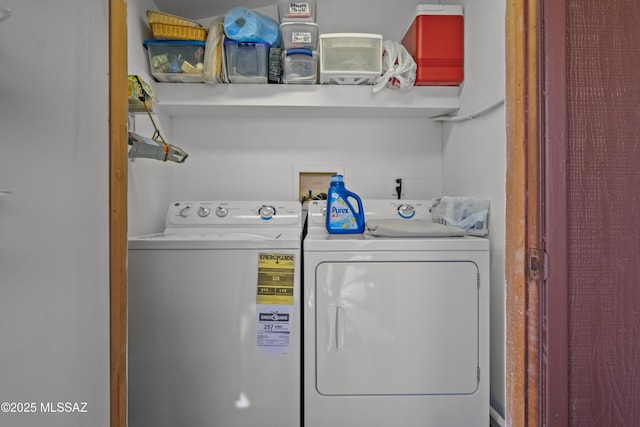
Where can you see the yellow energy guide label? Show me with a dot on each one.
(274, 302)
(275, 278)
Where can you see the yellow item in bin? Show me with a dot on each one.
(157, 17)
(190, 69)
(139, 94)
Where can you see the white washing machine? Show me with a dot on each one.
(214, 317)
(396, 329)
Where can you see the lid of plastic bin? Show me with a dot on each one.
(175, 42)
(439, 9)
(299, 23)
(363, 35)
(233, 42)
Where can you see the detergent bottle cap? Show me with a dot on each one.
(337, 178)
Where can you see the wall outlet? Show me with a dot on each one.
(398, 181)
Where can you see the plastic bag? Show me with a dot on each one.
(245, 25)
(399, 68)
(464, 212)
(213, 53)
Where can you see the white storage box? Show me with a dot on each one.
(299, 35)
(297, 11)
(300, 66)
(350, 58)
(247, 62)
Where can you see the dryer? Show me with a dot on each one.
(214, 317)
(396, 330)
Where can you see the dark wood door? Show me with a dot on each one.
(590, 305)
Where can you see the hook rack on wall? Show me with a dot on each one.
(4, 14)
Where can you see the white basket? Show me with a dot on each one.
(350, 58)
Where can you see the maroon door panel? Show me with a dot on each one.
(602, 172)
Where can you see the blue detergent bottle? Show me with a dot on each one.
(341, 216)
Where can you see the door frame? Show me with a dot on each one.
(523, 194)
(520, 297)
(118, 107)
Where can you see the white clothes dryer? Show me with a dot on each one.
(396, 330)
(214, 317)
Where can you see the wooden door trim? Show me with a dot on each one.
(522, 209)
(118, 105)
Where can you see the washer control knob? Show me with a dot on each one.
(266, 212)
(222, 211)
(406, 211)
(204, 211)
(185, 212)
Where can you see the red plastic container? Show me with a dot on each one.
(435, 40)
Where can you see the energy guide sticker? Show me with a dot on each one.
(275, 279)
(274, 302)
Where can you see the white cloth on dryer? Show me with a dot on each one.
(411, 228)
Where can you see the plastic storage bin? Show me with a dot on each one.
(299, 35)
(176, 60)
(247, 62)
(297, 11)
(435, 40)
(350, 58)
(300, 66)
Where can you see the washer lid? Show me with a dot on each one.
(220, 239)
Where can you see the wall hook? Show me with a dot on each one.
(4, 14)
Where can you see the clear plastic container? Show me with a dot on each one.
(300, 66)
(297, 11)
(176, 61)
(247, 62)
(350, 58)
(299, 35)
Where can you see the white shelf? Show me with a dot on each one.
(193, 99)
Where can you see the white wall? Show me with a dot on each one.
(54, 243)
(255, 157)
(475, 156)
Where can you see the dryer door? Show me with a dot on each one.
(397, 328)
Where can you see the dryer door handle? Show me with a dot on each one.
(340, 319)
(330, 327)
(335, 328)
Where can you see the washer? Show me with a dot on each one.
(396, 330)
(214, 317)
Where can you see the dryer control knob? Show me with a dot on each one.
(185, 212)
(266, 212)
(222, 211)
(204, 211)
(406, 211)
